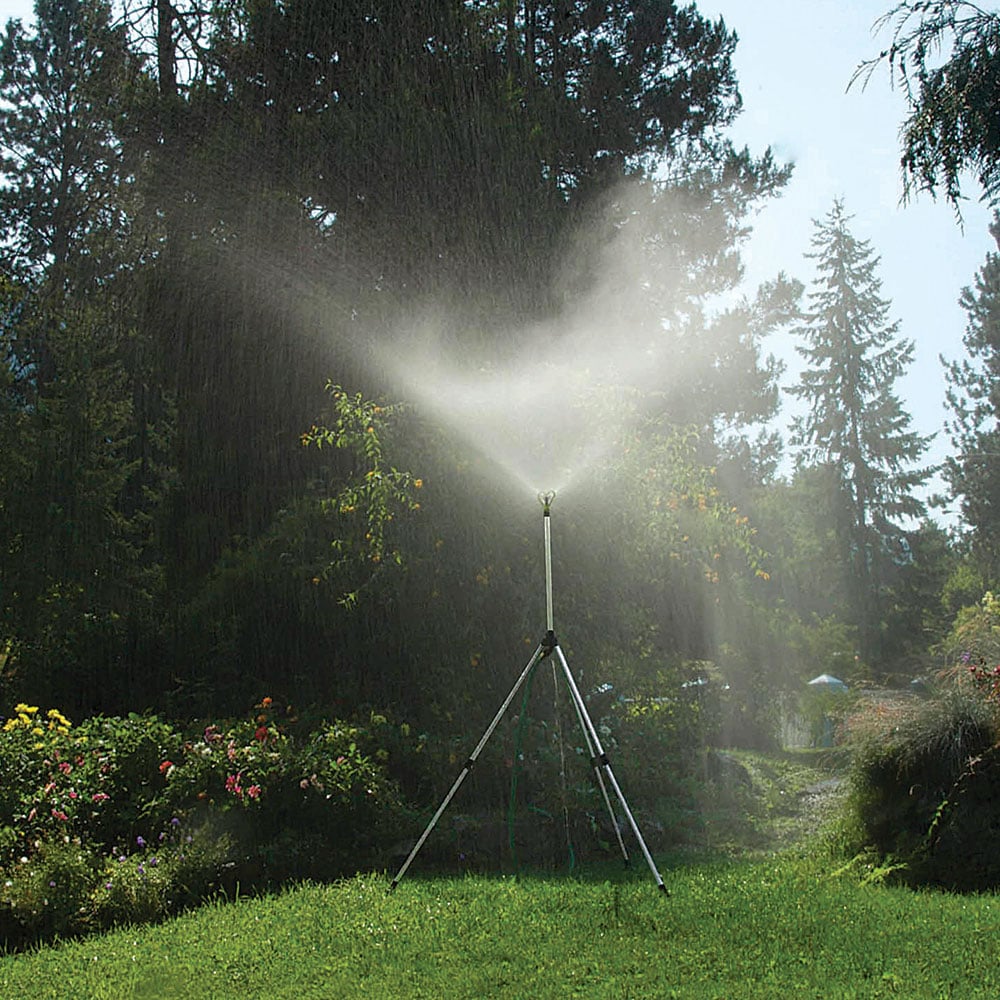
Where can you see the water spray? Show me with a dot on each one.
(548, 646)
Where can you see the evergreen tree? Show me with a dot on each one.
(82, 415)
(974, 398)
(62, 183)
(950, 127)
(855, 422)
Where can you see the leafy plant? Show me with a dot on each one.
(125, 819)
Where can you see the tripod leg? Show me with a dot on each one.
(603, 762)
(600, 781)
(469, 764)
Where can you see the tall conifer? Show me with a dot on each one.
(974, 399)
(855, 422)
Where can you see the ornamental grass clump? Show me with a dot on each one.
(925, 801)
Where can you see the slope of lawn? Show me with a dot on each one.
(732, 929)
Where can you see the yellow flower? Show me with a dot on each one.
(418, 483)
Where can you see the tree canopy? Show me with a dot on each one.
(944, 57)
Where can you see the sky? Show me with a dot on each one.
(794, 63)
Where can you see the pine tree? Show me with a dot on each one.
(855, 423)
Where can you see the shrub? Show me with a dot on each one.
(974, 638)
(125, 819)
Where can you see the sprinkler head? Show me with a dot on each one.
(546, 498)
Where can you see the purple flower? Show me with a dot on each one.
(140, 868)
(52, 885)
(153, 862)
(175, 822)
(140, 841)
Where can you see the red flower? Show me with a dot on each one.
(165, 766)
(261, 734)
(265, 703)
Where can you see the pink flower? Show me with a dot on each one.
(59, 815)
(99, 797)
(65, 767)
(253, 791)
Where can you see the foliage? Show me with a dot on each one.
(168, 325)
(973, 397)
(974, 638)
(923, 594)
(127, 819)
(61, 92)
(301, 590)
(949, 127)
(376, 496)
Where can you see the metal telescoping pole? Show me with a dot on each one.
(601, 760)
(469, 764)
(600, 782)
(547, 499)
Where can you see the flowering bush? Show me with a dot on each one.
(974, 639)
(128, 818)
(985, 679)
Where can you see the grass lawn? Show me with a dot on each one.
(736, 929)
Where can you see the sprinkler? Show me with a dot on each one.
(548, 646)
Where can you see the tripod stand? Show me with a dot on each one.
(549, 646)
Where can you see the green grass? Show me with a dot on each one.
(776, 928)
